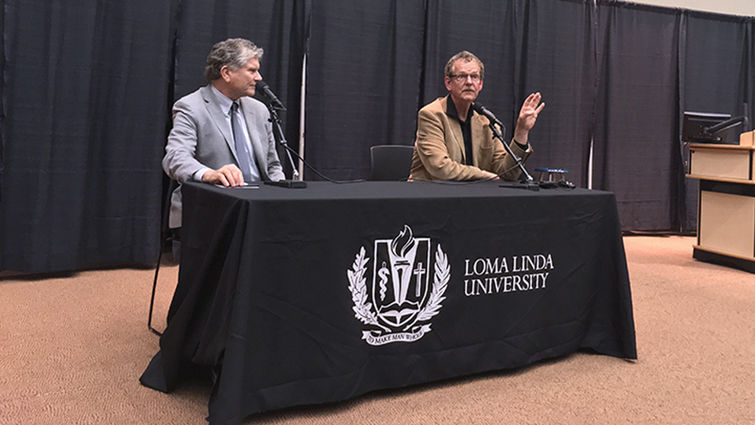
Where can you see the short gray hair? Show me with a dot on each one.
(233, 53)
(466, 57)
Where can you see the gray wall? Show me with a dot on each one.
(729, 7)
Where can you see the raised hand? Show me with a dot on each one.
(527, 117)
(530, 109)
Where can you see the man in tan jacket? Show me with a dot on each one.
(455, 143)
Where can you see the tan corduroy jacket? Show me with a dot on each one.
(439, 148)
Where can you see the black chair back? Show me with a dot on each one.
(390, 162)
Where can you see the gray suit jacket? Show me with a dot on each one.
(201, 137)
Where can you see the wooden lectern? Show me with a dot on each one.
(726, 202)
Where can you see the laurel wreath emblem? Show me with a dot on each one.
(440, 283)
(358, 287)
(363, 307)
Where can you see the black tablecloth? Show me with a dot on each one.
(301, 296)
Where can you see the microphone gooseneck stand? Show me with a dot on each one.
(278, 135)
(526, 181)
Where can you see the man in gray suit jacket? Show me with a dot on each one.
(220, 134)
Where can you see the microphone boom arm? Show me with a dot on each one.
(497, 134)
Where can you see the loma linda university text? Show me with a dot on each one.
(485, 276)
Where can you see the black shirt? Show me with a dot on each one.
(466, 129)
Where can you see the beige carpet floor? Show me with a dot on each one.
(72, 349)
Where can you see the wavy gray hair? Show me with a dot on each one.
(233, 53)
(466, 57)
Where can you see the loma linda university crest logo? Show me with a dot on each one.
(401, 293)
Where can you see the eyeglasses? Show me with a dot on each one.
(463, 77)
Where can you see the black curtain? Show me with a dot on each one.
(750, 79)
(84, 107)
(635, 139)
(716, 66)
(277, 26)
(2, 115)
(363, 69)
(87, 90)
(556, 52)
(715, 76)
(484, 28)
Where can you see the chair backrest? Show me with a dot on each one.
(390, 162)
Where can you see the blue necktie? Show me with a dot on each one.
(248, 168)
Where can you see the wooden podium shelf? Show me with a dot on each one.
(726, 203)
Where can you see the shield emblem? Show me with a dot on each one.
(400, 278)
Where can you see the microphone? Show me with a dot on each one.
(477, 107)
(265, 90)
